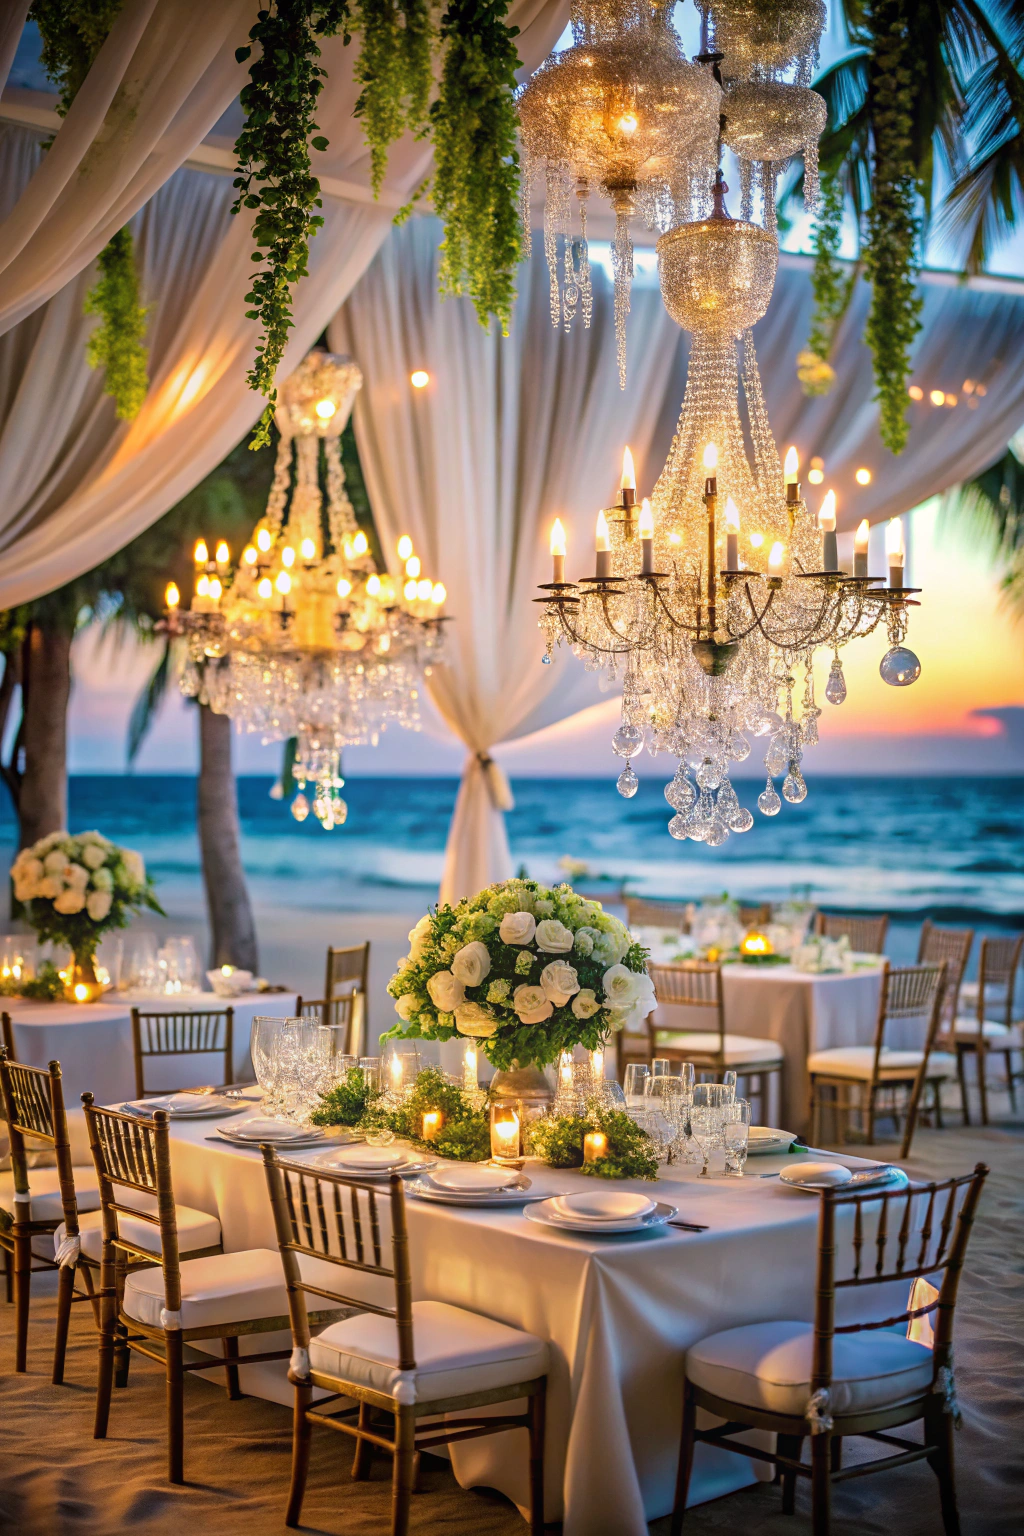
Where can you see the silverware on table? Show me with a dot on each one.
(687, 1226)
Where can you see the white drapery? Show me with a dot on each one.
(93, 488)
(509, 433)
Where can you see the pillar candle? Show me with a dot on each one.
(860, 549)
(646, 538)
(595, 1145)
(604, 552)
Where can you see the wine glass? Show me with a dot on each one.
(264, 1043)
(706, 1121)
(735, 1135)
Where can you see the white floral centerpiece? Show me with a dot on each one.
(74, 888)
(523, 970)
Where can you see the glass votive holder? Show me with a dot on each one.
(432, 1122)
(506, 1132)
(370, 1068)
(595, 1146)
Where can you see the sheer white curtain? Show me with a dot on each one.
(509, 433)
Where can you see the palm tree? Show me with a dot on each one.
(992, 506)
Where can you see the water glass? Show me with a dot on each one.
(729, 1084)
(735, 1135)
(370, 1068)
(706, 1120)
(661, 1067)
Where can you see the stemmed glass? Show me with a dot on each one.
(264, 1041)
(706, 1120)
(735, 1134)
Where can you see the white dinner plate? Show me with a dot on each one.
(516, 1194)
(764, 1139)
(338, 1163)
(884, 1175)
(473, 1178)
(184, 1106)
(598, 1207)
(277, 1132)
(549, 1218)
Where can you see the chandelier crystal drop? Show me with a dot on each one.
(709, 606)
(304, 638)
(622, 111)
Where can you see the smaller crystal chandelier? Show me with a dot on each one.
(304, 638)
(623, 111)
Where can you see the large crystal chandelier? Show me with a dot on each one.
(710, 604)
(304, 638)
(623, 112)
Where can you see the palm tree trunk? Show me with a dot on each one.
(46, 689)
(232, 930)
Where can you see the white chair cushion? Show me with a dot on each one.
(996, 1035)
(222, 1288)
(768, 1366)
(738, 1048)
(857, 1061)
(44, 1187)
(457, 1352)
(195, 1230)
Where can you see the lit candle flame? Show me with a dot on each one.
(603, 543)
(265, 588)
(860, 538)
(223, 555)
(373, 585)
(646, 520)
(172, 597)
(711, 456)
(894, 538)
(628, 481)
(409, 591)
(775, 558)
(215, 589)
(360, 544)
(438, 594)
(325, 409)
(249, 555)
(203, 586)
(284, 583)
(558, 538)
(732, 515)
(307, 549)
(412, 567)
(344, 587)
(404, 547)
(628, 123)
(827, 513)
(792, 466)
(288, 556)
(424, 589)
(263, 539)
(202, 554)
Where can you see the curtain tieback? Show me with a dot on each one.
(498, 786)
(818, 1412)
(68, 1250)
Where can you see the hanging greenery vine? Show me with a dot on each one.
(894, 227)
(832, 290)
(72, 33)
(395, 75)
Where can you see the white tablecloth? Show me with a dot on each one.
(803, 1012)
(619, 1314)
(93, 1041)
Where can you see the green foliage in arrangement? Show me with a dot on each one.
(347, 1103)
(465, 1128)
(558, 1140)
(476, 180)
(72, 33)
(45, 987)
(832, 291)
(395, 75)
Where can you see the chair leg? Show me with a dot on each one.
(231, 1369)
(871, 1117)
(364, 1450)
(939, 1430)
(961, 1072)
(8, 1275)
(538, 1403)
(686, 1444)
(402, 1475)
(302, 1432)
(122, 1354)
(837, 1453)
(22, 1292)
(983, 1083)
(175, 1406)
(789, 1445)
(937, 1102)
(911, 1125)
(105, 1372)
(65, 1291)
(1009, 1080)
(821, 1484)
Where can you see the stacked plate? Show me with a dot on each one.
(479, 1184)
(601, 1212)
(249, 1133)
(184, 1106)
(764, 1139)
(821, 1175)
(374, 1162)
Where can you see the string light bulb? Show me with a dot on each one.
(325, 409)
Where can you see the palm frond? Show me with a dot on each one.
(147, 705)
(987, 198)
(990, 509)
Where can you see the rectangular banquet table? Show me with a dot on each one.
(93, 1041)
(619, 1314)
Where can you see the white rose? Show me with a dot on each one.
(446, 991)
(406, 1006)
(103, 880)
(133, 863)
(29, 868)
(471, 963)
(55, 862)
(418, 938)
(644, 1002)
(25, 890)
(553, 937)
(531, 1005)
(69, 902)
(559, 982)
(585, 1004)
(621, 986)
(93, 856)
(97, 905)
(517, 928)
(77, 876)
(51, 887)
(476, 1020)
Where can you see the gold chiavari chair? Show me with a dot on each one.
(755, 916)
(853, 1078)
(411, 1359)
(698, 984)
(186, 1033)
(641, 913)
(39, 1225)
(345, 1014)
(347, 967)
(991, 1027)
(155, 1297)
(7, 1029)
(866, 934)
(827, 1380)
(954, 946)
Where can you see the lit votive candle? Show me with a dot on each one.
(431, 1124)
(397, 1075)
(595, 1145)
(470, 1069)
(597, 1065)
(504, 1134)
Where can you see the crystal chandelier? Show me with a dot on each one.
(710, 604)
(621, 110)
(304, 638)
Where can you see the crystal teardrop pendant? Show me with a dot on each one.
(680, 793)
(899, 667)
(679, 827)
(768, 800)
(627, 782)
(628, 740)
(708, 774)
(835, 688)
(300, 807)
(717, 833)
(793, 786)
(742, 821)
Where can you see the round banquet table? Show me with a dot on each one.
(619, 1314)
(93, 1041)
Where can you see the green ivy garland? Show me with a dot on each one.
(894, 227)
(832, 289)
(72, 33)
(394, 71)
(558, 1141)
(465, 1132)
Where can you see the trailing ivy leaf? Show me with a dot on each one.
(832, 292)
(394, 71)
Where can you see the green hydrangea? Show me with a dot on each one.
(524, 963)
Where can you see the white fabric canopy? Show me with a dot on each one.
(508, 433)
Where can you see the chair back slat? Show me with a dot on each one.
(858, 1241)
(953, 945)
(656, 914)
(690, 984)
(997, 971)
(866, 934)
(346, 1012)
(33, 1105)
(203, 1032)
(345, 966)
(27, 1102)
(135, 1154)
(911, 989)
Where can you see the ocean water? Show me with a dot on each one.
(949, 848)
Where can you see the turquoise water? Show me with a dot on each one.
(952, 848)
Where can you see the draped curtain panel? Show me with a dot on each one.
(93, 487)
(509, 433)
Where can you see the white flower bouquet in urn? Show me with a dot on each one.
(523, 971)
(74, 888)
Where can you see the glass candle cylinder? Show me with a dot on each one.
(470, 1069)
(432, 1121)
(505, 1133)
(595, 1145)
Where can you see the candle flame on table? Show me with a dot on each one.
(827, 513)
(732, 515)
(792, 466)
(894, 538)
(711, 456)
(558, 538)
(775, 557)
(603, 542)
(860, 538)
(646, 520)
(628, 481)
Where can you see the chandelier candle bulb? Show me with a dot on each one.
(413, 567)
(628, 482)
(827, 525)
(223, 556)
(172, 597)
(775, 558)
(404, 547)
(711, 465)
(860, 548)
(646, 538)
(603, 548)
(558, 553)
(201, 554)
(263, 540)
(732, 535)
(792, 471)
(595, 1145)
(894, 550)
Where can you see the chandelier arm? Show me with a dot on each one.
(742, 635)
(676, 623)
